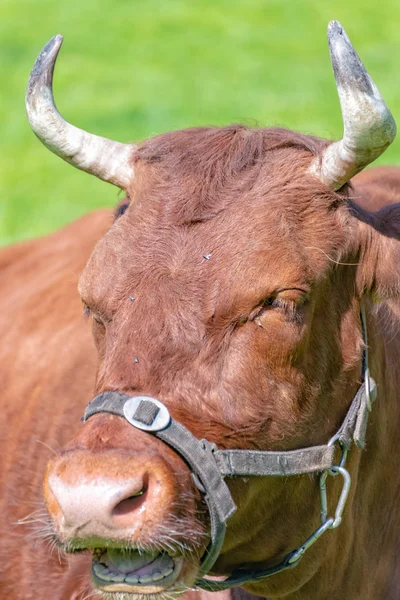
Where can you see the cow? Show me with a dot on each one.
(244, 308)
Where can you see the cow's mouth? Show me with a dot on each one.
(120, 570)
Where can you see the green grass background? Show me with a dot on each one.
(130, 69)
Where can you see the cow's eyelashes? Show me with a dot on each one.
(88, 312)
(288, 301)
(98, 319)
(288, 306)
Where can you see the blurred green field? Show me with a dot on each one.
(130, 69)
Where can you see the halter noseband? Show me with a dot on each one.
(210, 466)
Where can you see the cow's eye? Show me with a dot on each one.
(288, 301)
(98, 319)
(89, 312)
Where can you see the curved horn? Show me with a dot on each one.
(369, 127)
(104, 158)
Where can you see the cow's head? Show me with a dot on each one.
(229, 288)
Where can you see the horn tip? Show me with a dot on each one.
(53, 45)
(337, 35)
(44, 64)
(349, 70)
(334, 27)
(49, 52)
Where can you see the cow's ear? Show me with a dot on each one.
(378, 272)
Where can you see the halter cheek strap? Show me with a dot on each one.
(210, 466)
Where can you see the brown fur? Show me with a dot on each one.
(235, 370)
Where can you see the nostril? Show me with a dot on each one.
(134, 498)
(129, 505)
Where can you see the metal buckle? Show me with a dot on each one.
(159, 421)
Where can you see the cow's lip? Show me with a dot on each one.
(154, 572)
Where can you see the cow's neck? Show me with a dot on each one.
(340, 564)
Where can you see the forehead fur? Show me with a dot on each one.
(195, 173)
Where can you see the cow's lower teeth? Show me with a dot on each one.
(103, 572)
(145, 579)
(107, 576)
(167, 572)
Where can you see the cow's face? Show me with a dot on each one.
(218, 291)
(214, 287)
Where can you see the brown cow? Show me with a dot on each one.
(229, 290)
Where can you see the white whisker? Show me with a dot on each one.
(46, 446)
(334, 260)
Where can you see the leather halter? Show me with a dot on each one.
(210, 466)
